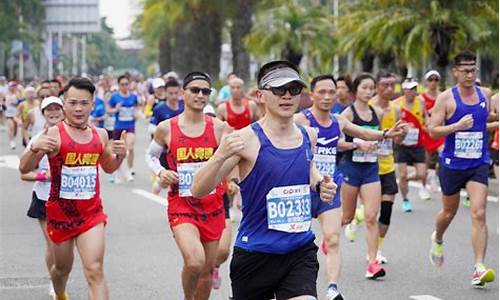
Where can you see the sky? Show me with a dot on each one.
(120, 15)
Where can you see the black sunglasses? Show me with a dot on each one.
(294, 89)
(433, 79)
(196, 90)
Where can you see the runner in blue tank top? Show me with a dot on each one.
(329, 127)
(274, 254)
(461, 115)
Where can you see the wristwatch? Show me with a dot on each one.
(235, 180)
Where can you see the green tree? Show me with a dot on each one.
(290, 29)
(412, 30)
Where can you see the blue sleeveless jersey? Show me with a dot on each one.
(467, 148)
(326, 146)
(276, 200)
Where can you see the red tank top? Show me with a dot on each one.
(185, 156)
(238, 121)
(430, 144)
(494, 144)
(74, 192)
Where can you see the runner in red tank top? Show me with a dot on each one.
(74, 209)
(432, 146)
(191, 138)
(237, 111)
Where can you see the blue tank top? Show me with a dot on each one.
(467, 148)
(276, 200)
(326, 146)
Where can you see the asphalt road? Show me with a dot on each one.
(142, 260)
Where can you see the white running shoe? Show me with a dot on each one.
(424, 194)
(12, 145)
(350, 231)
(381, 259)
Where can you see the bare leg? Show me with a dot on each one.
(403, 180)
(349, 198)
(446, 215)
(129, 141)
(90, 245)
(224, 244)
(331, 224)
(204, 286)
(478, 193)
(49, 251)
(187, 238)
(63, 263)
(371, 193)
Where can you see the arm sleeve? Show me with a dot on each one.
(153, 154)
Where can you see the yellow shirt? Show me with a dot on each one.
(385, 149)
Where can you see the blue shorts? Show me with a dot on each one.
(318, 206)
(452, 180)
(358, 174)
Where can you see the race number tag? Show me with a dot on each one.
(78, 183)
(325, 164)
(126, 114)
(289, 208)
(468, 144)
(186, 173)
(385, 148)
(363, 157)
(411, 138)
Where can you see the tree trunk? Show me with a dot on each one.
(367, 62)
(165, 52)
(182, 50)
(241, 26)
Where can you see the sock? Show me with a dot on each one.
(480, 267)
(380, 241)
(332, 285)
(62, 296)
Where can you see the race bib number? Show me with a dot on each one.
(411, 138)
(126, 114)
(289, 208)
(186, 173)
(363, 157)
(385, 148)
(468, 145)
(325, 164)
(78, 183)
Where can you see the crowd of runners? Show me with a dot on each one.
(284, 152)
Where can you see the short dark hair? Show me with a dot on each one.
(347, 79)
(318, 78)
(383, 74)
(358, 80)
(122, 77)
(273, 65)
(45, 81)
(55, 81)
(196, 75)
(172, 83)
(464, 56)
(80, 83)
(42, 88)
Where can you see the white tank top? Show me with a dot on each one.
(39, 122)
(41, 188)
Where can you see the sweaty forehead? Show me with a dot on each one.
(198, 83)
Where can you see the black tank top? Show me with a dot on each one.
(372, 124)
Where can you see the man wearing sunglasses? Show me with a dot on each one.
(190, 139)
(461, 115)
(274, 254)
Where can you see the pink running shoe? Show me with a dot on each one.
(374, 271)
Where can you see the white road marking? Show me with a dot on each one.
(425, 297)
(9, 161)
(150, 196)
(462, 192)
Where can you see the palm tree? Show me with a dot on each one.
(412, 30)
(291, 29)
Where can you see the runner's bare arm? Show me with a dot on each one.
(354, 130)
(48, 143)
(114, 151)
(493, 117)
(300, 118)
(437, 128)
(220, 165)
(221, 112)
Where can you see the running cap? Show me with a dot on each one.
(209, 110)
(172, 74)
(408, 85)
(29, 89)
(50, 100)
(158, 83)
(196, 76)
(432, 73)
(278, 73)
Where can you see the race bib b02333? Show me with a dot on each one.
(289, 208)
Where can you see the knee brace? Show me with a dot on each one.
(385, 213)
